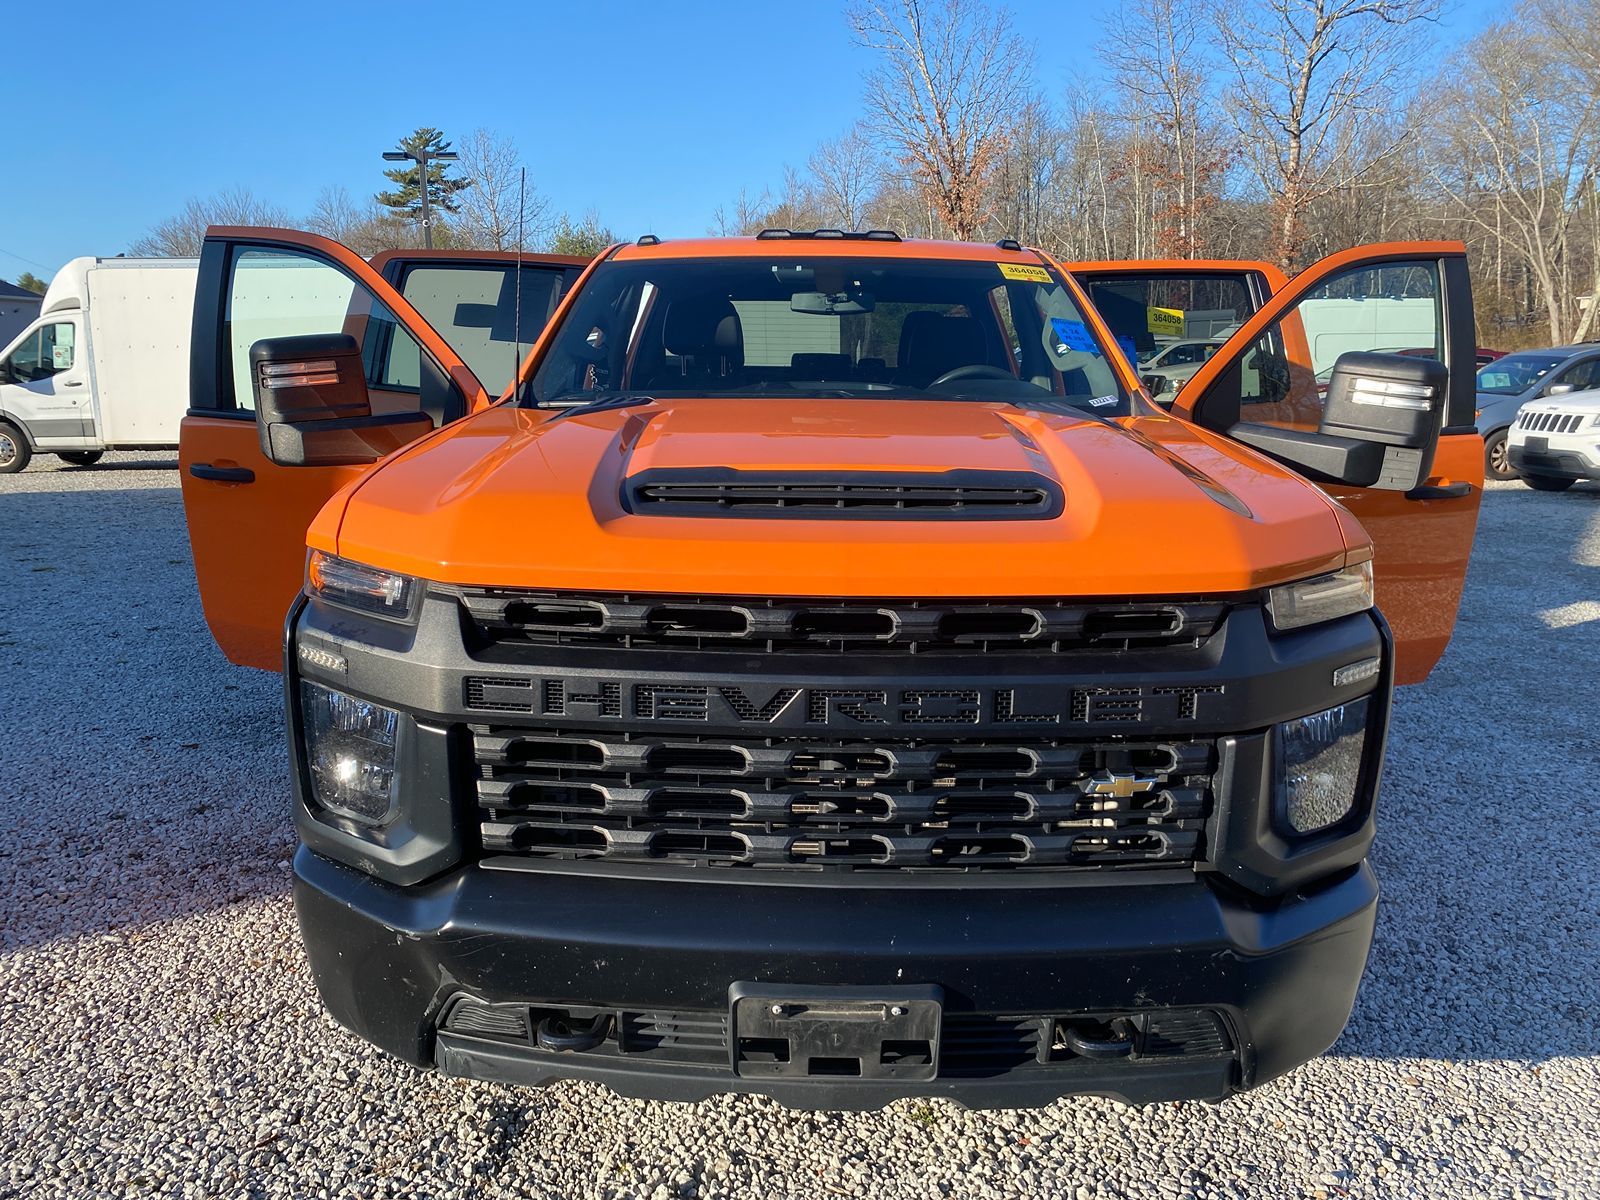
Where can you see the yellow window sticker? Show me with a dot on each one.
(1165, 320)
(1024, 273)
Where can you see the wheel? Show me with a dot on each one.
(80, 458)
(14, 452)
(1548, 483)
(1496, 459)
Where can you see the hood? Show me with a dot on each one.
(1567, 402)
(1147, 506)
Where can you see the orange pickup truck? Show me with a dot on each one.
(822, 670)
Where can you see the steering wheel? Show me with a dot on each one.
(972, 371)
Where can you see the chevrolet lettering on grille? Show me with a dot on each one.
(870, 707)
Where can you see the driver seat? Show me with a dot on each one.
(932, 343)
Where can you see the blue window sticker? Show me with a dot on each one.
(1129, 350)
(1073, 335)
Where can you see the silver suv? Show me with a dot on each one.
(1506, 384)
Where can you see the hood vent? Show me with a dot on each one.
(865, 495)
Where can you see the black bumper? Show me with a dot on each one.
(389, 962)
(1558, 465)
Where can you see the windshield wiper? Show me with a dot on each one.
(569, 402)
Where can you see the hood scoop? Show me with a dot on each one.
(962, 495)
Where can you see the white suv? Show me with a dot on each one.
(1555, 441)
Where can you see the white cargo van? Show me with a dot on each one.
(104, 367)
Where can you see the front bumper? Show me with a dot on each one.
(1579, 459)
(390, 962)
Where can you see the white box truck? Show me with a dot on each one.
(104, 367)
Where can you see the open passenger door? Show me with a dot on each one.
(1326, 338)
(248, 514)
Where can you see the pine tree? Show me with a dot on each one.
(406, 198)
(29, 282)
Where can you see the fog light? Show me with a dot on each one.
(1320, 760)
(350, 750)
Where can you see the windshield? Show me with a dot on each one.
(866, 327)
(1516, 373)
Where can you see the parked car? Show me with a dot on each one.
(1509, 382)
(1174, 363)
(1553, 443)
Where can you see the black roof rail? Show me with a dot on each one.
(1009, 244)
(648, 239)
(870, 235)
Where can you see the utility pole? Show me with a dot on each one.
(421, 157)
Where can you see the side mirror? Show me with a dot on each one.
(1391, 400)
(1380, 424)
(7, 375)
(1154, 384)
(312, 407)
(1559, 389)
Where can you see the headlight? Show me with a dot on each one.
(1319, 758)
(1321, 598)
(1596, 420)
(361, 587)
(350, 750)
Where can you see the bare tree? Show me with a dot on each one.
(180, 236)
(1307, 71)
(844, 174)
(1513, 131)
(496, 211)
(366, 228)
(1165, 98)
(947, 82)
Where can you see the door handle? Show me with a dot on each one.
(1448, 491)
(72, 383)
(222, 474)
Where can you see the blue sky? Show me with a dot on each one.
(650, 113)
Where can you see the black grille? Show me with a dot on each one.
(828, 803)
(948, 495)
(743, 625)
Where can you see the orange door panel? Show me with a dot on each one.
(1421, 542)
(247, 527)
(247, 515)
(1421, 539)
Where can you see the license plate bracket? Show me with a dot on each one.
(1537, 445)
(784, 1031)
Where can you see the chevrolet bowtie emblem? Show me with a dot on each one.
(1120, 786)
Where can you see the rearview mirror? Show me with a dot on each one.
(844, 304)
(312, 407)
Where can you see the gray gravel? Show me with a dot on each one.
(159, 1034)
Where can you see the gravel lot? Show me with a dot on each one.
(159, 1034)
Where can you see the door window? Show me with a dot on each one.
(1580, 377)
(285, 293)
(50, 350)
(477, 310)
(1283, 379)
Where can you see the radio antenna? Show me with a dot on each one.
(516, 319)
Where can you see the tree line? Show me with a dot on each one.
(1278, 129)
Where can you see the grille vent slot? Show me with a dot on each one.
(949, 495)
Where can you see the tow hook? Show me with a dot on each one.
(564, 1033)
(1099, 1039)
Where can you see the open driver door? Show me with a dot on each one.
(283, 317)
